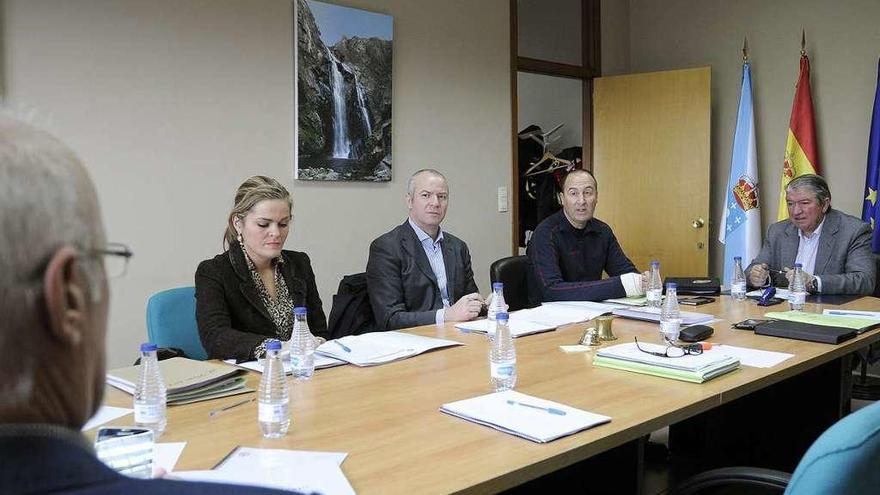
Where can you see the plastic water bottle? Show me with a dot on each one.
(302, 346)
(502, 356)
(798, 289)
(150, 394)
(654, 291)
(738, 280)
(670, 315)
(498, 305)
(274, 401)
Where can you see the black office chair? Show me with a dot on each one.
(841, 460)
(513, 273)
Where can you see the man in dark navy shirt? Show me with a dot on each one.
(570, 249)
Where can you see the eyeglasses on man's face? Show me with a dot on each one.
(672, 351)
(115, 256)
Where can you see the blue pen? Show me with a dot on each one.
(344, 347)
(551, 410)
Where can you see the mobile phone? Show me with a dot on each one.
(695, 300)
(128, 451)
(749, 324)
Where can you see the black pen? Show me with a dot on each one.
(231, 406)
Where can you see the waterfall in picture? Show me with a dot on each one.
(362, 102)
(341, 144)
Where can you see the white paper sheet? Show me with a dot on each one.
(106, 414)
(321, 362)
(755, 358)
(244, 458)
(380, 347)
(166, 455)
(530, 421)
(318, 475)
(850, 312)
(518, 328)
(780, 293)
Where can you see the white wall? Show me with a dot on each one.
(172, 103)
(843, 42)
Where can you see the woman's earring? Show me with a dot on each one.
(239, 238)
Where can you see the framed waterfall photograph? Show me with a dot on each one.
(342, 59)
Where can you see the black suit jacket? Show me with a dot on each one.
(403, 289)
(231, 316)
(39, 459)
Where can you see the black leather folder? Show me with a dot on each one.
(805, 331)
(696, 286)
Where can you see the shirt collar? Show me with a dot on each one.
(589, 227)
(422, 235)
(816, 233)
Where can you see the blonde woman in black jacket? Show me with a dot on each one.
(245, 296)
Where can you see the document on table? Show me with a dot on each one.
(780, 293)
(755, 358)
(518, 327)
(525, 416)
(321, 362)
(629, 301)
(555, 314)
(380, 347)
(166, 455)
(305, 472)
(653, 314)
(106, 414)
(874, 315)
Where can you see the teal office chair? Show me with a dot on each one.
(171, 321)
(844, 459)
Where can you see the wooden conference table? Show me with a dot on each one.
(386, 417)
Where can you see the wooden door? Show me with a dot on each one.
(651, 161)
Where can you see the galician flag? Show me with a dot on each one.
(741, 226)
(801, 147)
(870, 211)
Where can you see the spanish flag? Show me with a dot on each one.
(801, 147)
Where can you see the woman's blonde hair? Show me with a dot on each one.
(250, 192)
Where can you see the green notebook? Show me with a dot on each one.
(853, 322)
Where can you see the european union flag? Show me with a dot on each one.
(870, 212)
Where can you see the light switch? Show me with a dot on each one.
(502, 199)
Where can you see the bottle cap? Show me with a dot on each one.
(671, 285)
(299, 310)
(273, 345)
(737, 258)
(497, 285)
(655, 263)
(798, 265)
(148, 347)
(501, 317)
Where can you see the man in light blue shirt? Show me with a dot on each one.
(418, 274)
(833, 247)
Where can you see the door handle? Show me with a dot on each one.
(698, 223)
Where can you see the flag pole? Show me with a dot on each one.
(803, 42)
(745, 49)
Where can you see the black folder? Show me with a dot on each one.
(805, 331)
(696, 286)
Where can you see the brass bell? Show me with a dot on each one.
(590, 337)
(603, 324)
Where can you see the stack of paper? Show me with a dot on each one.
(780, 293)
(690, 368)
(186, 380)
(653, 314)
(860, 323)
(528, 417)
(380, 347)
(321, 362)
(301, 471)
(544, 318)
(629, 301)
